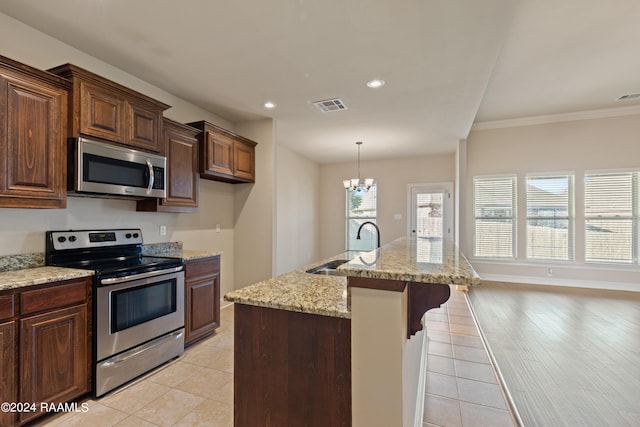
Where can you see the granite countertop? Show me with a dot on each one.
(406, 259)
(38, 276)
(175, 250)
(299, 291)
(19, 271)
(413, 260)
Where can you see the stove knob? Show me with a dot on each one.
(62, 239)
(128, 235)
(135, 235)
(72, 238)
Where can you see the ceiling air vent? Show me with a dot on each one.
(328, 105)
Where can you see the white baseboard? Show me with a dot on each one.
(554, 281)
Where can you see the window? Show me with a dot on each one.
(361, 207)
(611, 217)
(550, 217)
(494, 206)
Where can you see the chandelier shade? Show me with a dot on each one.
(358, 185)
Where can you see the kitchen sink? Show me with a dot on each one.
(328, 268)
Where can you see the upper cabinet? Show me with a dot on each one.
(108, 110)
(33, 130)
(181, 150)
(225, 156)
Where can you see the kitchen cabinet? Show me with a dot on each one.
(105, 109)
(8, 390)
(181, 150)
(45, 346)
(224, 155)
(33, 127)
(291, 368)
(202, 297)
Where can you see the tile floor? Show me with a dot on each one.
(197, 388)
(462, 388)
(194, 390)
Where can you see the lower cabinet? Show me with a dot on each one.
(53, 354)
(45, 349)
(202, 297)
(8, 390)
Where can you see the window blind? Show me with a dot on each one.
(611, 217)
(550, 217)
(494, 205)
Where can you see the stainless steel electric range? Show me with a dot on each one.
(138, 301)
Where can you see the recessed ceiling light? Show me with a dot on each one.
(270, 105)
(375, 83)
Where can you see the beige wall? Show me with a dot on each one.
(572, 146)
(298, 202)
(254, 208)
(392, 177)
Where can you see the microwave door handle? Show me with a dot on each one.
(151, 177)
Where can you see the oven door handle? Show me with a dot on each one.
(115, 280)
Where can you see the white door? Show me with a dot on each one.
(431, 213)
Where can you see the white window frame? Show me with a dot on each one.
(634, 217)
(373, 219)
(513, 217)
(570, 217)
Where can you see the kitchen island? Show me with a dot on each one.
(344, 349)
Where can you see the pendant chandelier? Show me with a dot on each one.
(358, 185)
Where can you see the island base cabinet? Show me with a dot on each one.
(54, 351)
(7, 370)
(291, 369)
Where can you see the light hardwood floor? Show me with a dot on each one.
(567, 356)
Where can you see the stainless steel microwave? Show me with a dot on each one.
(100, 169)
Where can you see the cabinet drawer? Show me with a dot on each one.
(72, 292)
(202, 267)
(6, 306)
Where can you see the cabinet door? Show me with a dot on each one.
(32, 145)
(244, 161)
(7, 369)
(54, 355)
(101, 113)
(143, 127)
(182, 176)
(202, 297)
(219, 154)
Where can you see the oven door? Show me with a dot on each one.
(131, 312)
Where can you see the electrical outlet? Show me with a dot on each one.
(550, 272)
(163, 230)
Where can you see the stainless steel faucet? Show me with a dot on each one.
(365, 223)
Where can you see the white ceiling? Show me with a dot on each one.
(446, 63)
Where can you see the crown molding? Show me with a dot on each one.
(556, 118)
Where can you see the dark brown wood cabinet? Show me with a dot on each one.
(224, 155)
(8, 389)
(33, 127)
(202, 297)
(45, 346)
(293, 369)
(108, 110)
(181, 150)
(53, 355)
